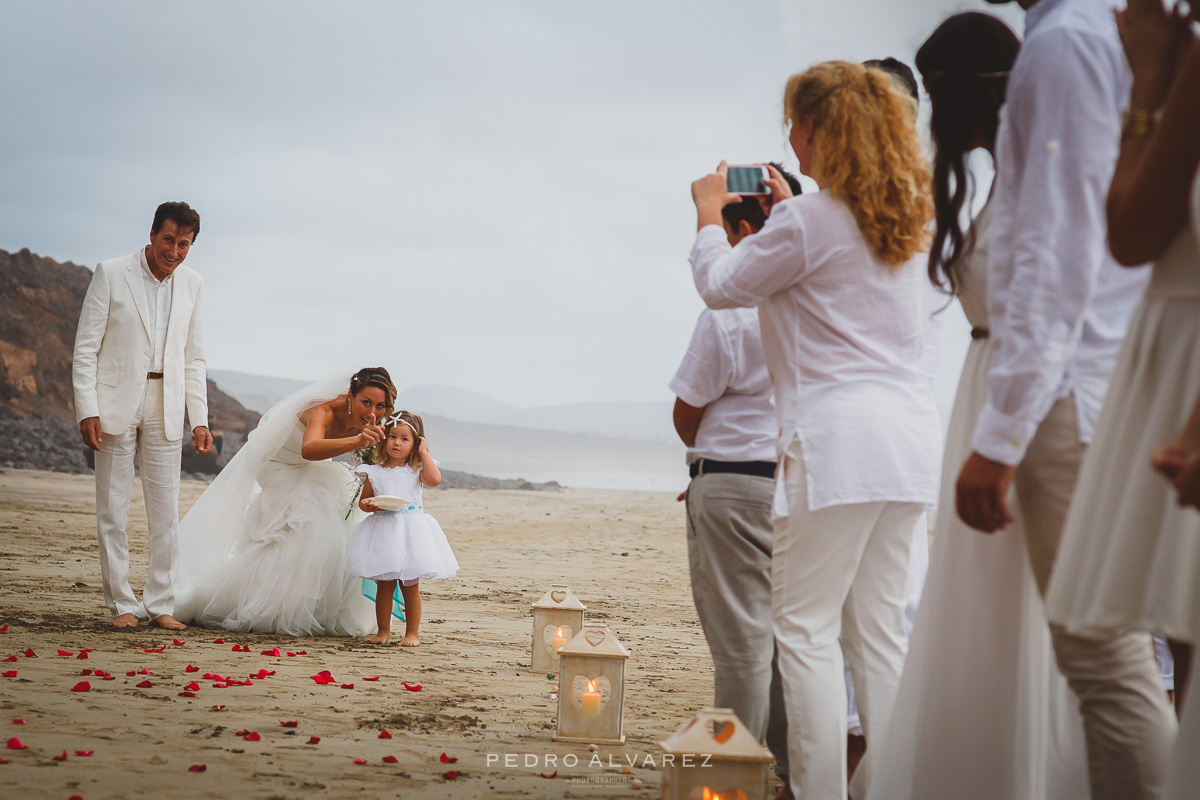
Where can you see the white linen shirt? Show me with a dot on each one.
(724, 371)
(1058, 304)
(158, 306)
(841, 335)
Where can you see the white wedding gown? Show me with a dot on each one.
(982, 711)
(263, 548)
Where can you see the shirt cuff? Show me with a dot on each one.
(687, 394)
(1002, 437)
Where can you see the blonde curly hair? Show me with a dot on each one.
(865, 138)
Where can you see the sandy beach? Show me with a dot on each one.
(622, 553)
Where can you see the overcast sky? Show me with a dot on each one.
(492, 195)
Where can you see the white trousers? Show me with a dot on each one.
(842, 571)
(159, 460)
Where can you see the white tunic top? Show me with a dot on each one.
(842, 337)
(724, 369)
(1059, 305)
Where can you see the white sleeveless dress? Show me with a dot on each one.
(1130, 556)
(982, 711)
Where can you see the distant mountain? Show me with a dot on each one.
(256, 392)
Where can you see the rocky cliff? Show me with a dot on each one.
(40, 301)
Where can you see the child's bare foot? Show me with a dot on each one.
(125, 621)
(168, 623)
(409, 640)
(380, 638)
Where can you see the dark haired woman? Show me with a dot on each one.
(982, 710)
(263, 547)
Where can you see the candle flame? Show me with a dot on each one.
(559, 634)
(591, 686)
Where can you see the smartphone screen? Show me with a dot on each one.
(745, 180)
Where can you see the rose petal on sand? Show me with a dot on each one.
(18, 721)
(131, 673)
(218, 708)
(347, 685)
(449, 759)
(301, 652)
(197, 768)
(253, 736)
(8, 659)
(313, 740)
(272, 652)
(30, 654)
(186, 694)
(86, 672)
(192, 687)
(83, 656)
(154, 650)
(218, 641)
(3, 629)
(190, 668)
(62, 652)
(178, 642)
(360, 761)
(291, 654)
(384, 735)
(551, 775)
(412, 687)
(15, 744)
(241, 733)
(375, 678)
(323, 677)
(145, 684)
(450, 776)
(63, 757)
(291, 723)
(108, 678)
(390, 760)
(12, 673)
(82, 686)
(144, 671)
(84, 753)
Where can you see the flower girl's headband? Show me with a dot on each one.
(394, 418)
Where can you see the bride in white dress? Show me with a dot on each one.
(263, 548)
(982, 711)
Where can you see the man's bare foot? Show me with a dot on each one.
(168, 623)
(409, 640)
(125, 621)
(380, 638)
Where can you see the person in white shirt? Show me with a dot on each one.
(837, 277)
(1058, 309)
(725, 414)
(138, 365)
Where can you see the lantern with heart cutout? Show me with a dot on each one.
(712, 756)
(591, 687)
(557, 617)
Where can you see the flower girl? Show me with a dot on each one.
(399, 541)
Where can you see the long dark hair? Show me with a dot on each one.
(965, 65)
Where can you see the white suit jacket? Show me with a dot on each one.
(113, 346)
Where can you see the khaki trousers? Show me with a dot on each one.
(1128, 724)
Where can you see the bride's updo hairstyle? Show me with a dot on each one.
(378, 454)
(867, 151)
(377, 377)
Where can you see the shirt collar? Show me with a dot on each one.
(146, 269)
(1035, 15)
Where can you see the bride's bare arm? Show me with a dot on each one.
(315, 447)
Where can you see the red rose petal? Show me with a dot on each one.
(360, 761)
(86, 672)
(190, 668)
(390, 760)
(253, 736)
(347, 685)
(301, 652)
(313, 740)
(323, 677)
(412, 687)
(3, 629)
(84, 753)
(74, 797)
(145, 685)
(30, 654)
(12, 673)
(375, 678)
(218, 641)
(177, 643)
(218, 708)
(100, 673)
(154, 649)
(82, 686)
(18, 721)
(197, 768)
(449, 759)
(6, 660)
(290, 654)
(144, 671)
(186, 694)
(131, 673)
(193, 687)
(62, 652)
(450, 776)
(87, 650)
(242, 733)
(291, 723)
(63, 757)
(5, 761)
(108, 678)
(384, 735)
(551, 775)
(83, 656)
(15, 744)
(272, 652)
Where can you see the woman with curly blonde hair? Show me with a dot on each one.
(837, 278)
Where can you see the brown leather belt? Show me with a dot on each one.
(980, 333)
(154, 376)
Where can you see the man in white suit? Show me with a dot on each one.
(139, 361)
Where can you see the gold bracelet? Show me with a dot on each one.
(1136, 123)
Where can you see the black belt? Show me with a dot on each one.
(980, 333)
(154, 376)
(703, 466)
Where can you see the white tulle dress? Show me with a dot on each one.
(982, 711)
(404, 545)
(1130, 555)
(263, 548)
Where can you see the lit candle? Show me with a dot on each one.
(559, 641)
(590, 702)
